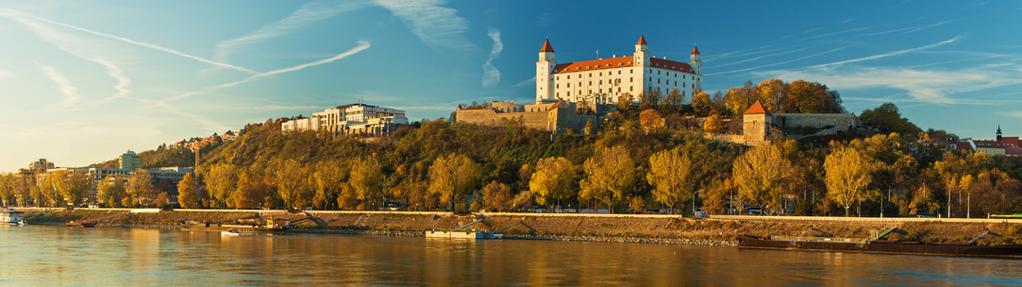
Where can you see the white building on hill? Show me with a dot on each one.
(603, 80)
(350, 119)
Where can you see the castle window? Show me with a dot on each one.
(618, 72)
(601, 74)
(569, 77)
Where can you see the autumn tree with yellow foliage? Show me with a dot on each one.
(761, 174)
(553, 181)
(610, 176)
(671, 175)
(848, 176)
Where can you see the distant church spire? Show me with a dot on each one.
(999, 134)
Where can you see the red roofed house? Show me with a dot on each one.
(603, 80)
(1000, 146)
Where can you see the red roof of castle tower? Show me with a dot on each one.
(546, 47)
(642, 40)
(755, 109)
(695, 50)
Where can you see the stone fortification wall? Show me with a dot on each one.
(531, 119)
(845, 121)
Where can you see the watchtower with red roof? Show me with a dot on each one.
(756, 123)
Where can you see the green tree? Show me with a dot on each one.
(671, 175)
(221, 180)
(187, 192)
(366, 180)
(140, 188)
(887, 119)
(848, 176)
(452, 177)
(292, 182)
(553, 181)
(761, 174)
(610, 176)
(111, 191)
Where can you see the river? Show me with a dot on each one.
(54, 255)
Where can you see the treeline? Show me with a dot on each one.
(639, 162)
(64, 188)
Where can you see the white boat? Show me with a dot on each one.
(11, 217)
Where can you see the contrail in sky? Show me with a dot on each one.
(140, 43)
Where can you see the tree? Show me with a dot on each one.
(624, 101)
(73, 187)
(887, 119)
(221, 180)
(329, 180)
(810, 97)
(714, 124)
(292, 182)
(251, 191)
(187, 192)
(769, 93)
(956, 173)
(672, 103)
(701, 104)
(366, 180)
(738, 99)
(761, 174)
(496, 196)
(924, 202)
(649, 99)
(111, 191)
(848, 175)
(651, 121)
(588, 129)
(162, 200)
(610, 176)
(452, 177)
(553, 181)
(670, 173)
(140, 188)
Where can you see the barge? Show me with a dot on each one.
(970, 249)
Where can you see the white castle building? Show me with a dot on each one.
(603, 80)
(350, 119)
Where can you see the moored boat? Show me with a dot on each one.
(11, 217)
(879, 246)
(81, 223)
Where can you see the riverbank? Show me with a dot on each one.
(638, 229)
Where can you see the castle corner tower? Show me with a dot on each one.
(544, 73)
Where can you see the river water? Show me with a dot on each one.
(53, 255)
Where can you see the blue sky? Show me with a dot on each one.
(83, 81)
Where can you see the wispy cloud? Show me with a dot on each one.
(778, 63)
(1015, 114)
(491, 75)
(305, 15)
(889, 54)
(27, 18)
(67, 89)
(122, 80)
(925, 86)
(359, 47)
(5, 73)
(435, 25)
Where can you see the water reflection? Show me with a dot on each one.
(39, 255)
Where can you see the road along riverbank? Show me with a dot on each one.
(659, 228)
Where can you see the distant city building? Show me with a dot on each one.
(604, 79)
(999, 146)
(41, 165)
(129, 161)
(354, 119)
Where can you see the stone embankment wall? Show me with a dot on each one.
(651, 228)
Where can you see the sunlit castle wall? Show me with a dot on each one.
(604, 80)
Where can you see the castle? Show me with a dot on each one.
(604, 80)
